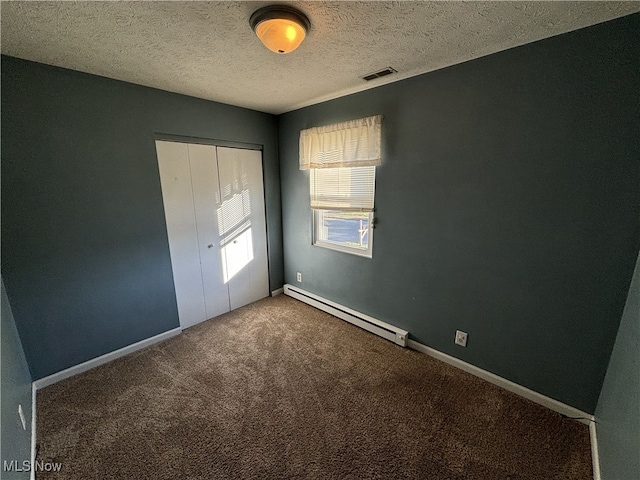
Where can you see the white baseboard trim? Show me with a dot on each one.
(595, 456)
(373, 325)
(278, 291)
(32, 475)
(107, 357)
(525, 392)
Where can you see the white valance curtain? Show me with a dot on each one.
(342, 159)
(355, 143)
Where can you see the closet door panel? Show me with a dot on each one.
(242, 218)
(177, 195)
(207, 206)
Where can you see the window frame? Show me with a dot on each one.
(317, 218)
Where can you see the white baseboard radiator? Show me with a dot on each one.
(380, 328)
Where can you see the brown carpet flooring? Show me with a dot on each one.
(280, 390)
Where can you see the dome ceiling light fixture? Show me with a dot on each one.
(280, 28)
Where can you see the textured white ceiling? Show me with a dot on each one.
(207, 49)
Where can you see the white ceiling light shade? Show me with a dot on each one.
(280, 28)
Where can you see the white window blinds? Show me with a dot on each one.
(355, 143)
(343, 188)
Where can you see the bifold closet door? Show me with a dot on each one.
(244, 225)
(207, 205)
(214, 208)
(191, 196)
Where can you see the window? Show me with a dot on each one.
(346, 231)
(342, 199)
(342, 160)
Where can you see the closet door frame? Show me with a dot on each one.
(169, 137)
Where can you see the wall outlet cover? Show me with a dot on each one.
(299, 277)
(461, 338)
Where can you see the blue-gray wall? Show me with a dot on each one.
(618, 411)
(85, 255)
(15, 389)
(507, 206)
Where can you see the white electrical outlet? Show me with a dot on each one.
(299, 277)
(461, 338)
(21, 413)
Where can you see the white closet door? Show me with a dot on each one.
(177, 194)
(214, 207)
(242, 218)
(207, 205)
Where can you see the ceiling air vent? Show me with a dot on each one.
(381, 73)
